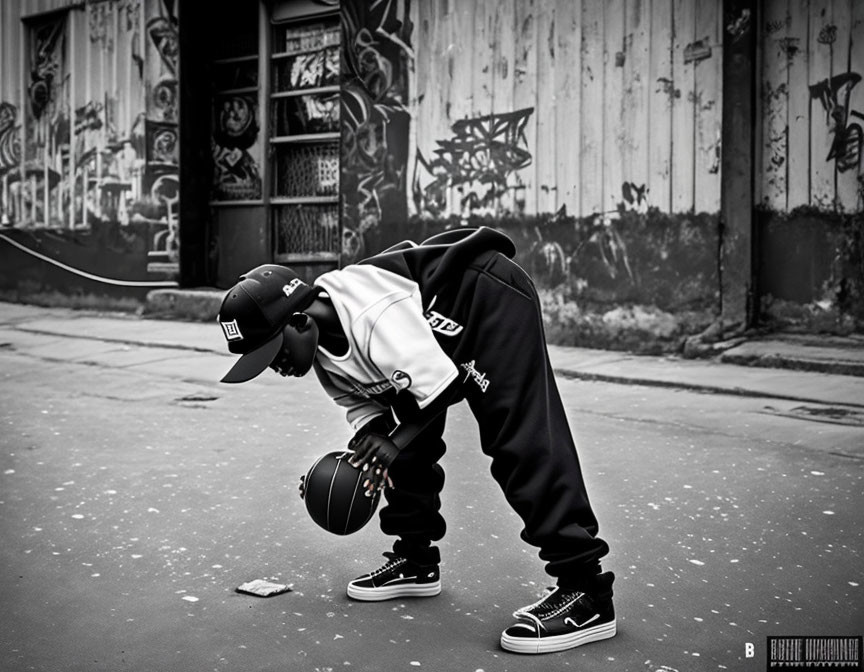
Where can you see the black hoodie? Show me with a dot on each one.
(441, 260)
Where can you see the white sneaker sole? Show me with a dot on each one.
(392, 592)
(558, 642)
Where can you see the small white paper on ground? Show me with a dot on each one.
(263, 588)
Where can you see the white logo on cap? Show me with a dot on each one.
(292, 286)
(232, 331)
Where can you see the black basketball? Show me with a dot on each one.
(335, 497)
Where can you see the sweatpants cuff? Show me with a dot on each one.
(596, 585)
(417, 552)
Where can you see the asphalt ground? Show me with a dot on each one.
(137, 493)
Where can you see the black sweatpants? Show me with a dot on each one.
(508, 383)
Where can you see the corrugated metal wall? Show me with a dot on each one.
(813, 104)
(11, 13)
(89, 98)
(14, 81)
(565, 102)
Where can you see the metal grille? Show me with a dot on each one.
(307, 113)
(307, 38)
(307, 232)
(307, 170)
(308, 70)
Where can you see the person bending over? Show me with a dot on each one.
(395, 340)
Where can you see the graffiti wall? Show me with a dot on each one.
(813, 104)
(236, 148)
(89, 136)
(377, 55)
(236, 141)
(550, 106)
(479, 162)
(811, 192)
(590, 131)
(604, 114)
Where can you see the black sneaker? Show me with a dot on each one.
(398, 578)
(562, 620)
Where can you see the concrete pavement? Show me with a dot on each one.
(137, 493)
(728, 373)
(801, 352)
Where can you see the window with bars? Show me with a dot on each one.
(304, 140)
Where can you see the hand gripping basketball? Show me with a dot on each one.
(331, 490)
(373, 454)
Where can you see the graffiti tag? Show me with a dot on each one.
(318, 68)
(374, 121)
(480, 158)
(834, 94)
(10, 148)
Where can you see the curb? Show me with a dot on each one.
(702, 388)
(709, 375)
(202, 305)
(801, 363)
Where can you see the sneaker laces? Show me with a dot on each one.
(548, 606)
(393, 562)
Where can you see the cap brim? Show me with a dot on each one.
(253, 363)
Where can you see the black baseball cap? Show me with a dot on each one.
(253, 313)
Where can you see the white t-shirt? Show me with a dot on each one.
(391, 346)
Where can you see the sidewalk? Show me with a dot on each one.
(802, 352)
(725, 374)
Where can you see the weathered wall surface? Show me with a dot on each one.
(536, 105)
(608, 115)
(377, 53)
(587, 129)
(813, 105)
(811, 191)
(590, 132)
(89, 137)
